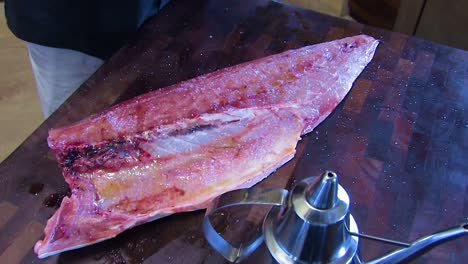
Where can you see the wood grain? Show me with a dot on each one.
(398, 141)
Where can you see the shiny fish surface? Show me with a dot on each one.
(177, 148)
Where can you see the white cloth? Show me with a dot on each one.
(58, 73)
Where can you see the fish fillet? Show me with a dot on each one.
(177, 148)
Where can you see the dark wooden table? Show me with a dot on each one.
(399, 141)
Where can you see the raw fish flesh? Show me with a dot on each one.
(177, 148)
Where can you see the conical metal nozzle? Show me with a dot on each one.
(324, 194)
(314, 228)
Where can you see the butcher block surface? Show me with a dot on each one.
(398, 141)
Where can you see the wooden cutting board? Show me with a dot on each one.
(398, 141)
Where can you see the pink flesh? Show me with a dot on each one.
(177, 148)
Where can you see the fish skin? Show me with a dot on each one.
(141, 160)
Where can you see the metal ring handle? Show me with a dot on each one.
(234, 198)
